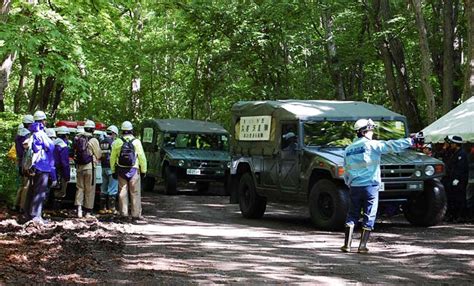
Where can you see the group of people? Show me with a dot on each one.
(42, 158)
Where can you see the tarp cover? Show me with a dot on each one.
(459, 121)
(189, 126)
(313, 109)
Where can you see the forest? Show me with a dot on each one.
(130, 60)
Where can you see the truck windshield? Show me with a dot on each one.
(341, 133)
(218, 142)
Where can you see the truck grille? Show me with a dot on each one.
(397, 171)
(198, 164)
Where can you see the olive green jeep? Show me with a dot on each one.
(292, 151)
(182, 151)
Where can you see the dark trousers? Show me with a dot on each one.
(456, 201)
(367, 199)
(37, 194)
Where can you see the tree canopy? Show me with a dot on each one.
(129, 60)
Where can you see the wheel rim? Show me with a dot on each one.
(325, 206)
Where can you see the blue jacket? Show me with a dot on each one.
(43, 148)
(61, 158)
(362, 160)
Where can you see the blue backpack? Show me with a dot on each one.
(127, 156)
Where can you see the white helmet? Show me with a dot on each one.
(364, 125)
(27, 119)
(114, 129)
(89, 124)
(21, 126)
(80, 129)
(62, 130)
(50, 132)
(39, 115)
(127, 126)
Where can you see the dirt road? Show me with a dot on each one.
(191, 239)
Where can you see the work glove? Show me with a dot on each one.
(115, 176)
(54, 184)
(455, 182)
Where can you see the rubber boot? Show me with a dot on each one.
(112, 205)
(347, 238)
(103, 204)
(79, 211)
(364, 238)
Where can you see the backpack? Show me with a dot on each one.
(127, 156)
(27, 162)
(81, 152)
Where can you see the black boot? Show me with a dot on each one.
(347, 238)
(103, 204)
(364, 238)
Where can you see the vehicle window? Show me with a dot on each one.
(196, 141)
(289, 136)
(341, 133)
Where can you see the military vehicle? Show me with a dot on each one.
(183, 151)
(292, 151)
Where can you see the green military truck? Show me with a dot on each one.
(292, 151)
(182, 151)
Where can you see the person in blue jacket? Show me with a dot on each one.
(362, 176)
(43, 165)
(61, 160)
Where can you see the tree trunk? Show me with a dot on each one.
(396, 72)
(34, 93)
(20, 91)
(331, 58)
(56, 100)
(448, 53)
(469, 72)
(7, 60)
(46, 92)
(426, 66)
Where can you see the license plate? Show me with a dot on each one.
(193, 171)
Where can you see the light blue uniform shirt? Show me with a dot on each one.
(362, 159)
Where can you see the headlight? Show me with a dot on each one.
(429, 170)
(228, 165)
(181, 163)
(417, 173)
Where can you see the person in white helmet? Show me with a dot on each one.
(128, 164)
(109, 187)
(61, 159)
(362, 176)
(87, 154)
(22, 136)
(42, 165)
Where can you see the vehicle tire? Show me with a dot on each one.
(171, 181)
(148, 184)
(328, 205)
(202, 187)
(429, 207)
(251, 204)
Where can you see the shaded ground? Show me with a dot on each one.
(191, 239)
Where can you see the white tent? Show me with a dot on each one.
(459, 121)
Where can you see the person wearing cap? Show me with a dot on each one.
(362, 176)
(456, 179)
(61, 159)
(129, 177)
(109, 187)
(42, 166)
(85, 194)
(22, 135)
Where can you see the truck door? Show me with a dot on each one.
(289, 159)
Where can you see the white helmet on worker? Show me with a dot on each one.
(39, 115)
(114, 129)
(127, 126)
(27, 119)
(362, 125)
(89, 124)
(50, 132)
(62, 130)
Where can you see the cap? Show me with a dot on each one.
(453, 139)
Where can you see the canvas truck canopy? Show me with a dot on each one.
(313, 110)
(459, 121)
(186, 126)
(266, 115)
